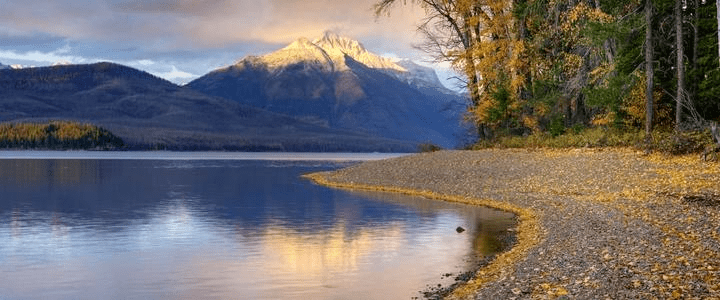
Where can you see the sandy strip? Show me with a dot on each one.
(594, 224)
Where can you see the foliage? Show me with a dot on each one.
(548, 65)
(591, 137)
(56, 135)
(706, 74)
(556, 127)
(678, 143)
(662, 140)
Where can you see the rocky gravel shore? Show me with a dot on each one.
(594, 223)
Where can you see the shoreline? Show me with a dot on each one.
(198, 155)
(526, 233)
(592, 223)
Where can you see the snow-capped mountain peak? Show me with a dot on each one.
(332, 40)
(338, 46)
(61, 63)
(419, 75)
(301, 50)
(330, 53)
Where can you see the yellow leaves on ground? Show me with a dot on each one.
(549, 290)
(685, 174)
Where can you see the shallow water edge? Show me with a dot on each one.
(528, 230)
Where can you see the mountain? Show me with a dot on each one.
(14, 67)
(420, 76)
(61, 63)
(338, 47)
(146, 111)
(336, 82)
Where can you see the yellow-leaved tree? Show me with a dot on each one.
(480, 38)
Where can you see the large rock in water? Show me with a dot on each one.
(146, 111)
(334, 81)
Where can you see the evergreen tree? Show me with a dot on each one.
(544, 65)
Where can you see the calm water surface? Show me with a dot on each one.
(184, 228)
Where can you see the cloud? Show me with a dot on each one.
(194, 36)
(60, 54)
(183, 7)
(161, 25)
(175, 74)
(143, 62)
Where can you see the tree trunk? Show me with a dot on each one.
(473, 87)
(680, 63)
(649, 53)
(717, 6)
(470, 70)
(696, 41)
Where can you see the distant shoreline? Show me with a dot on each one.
(195, 155)
(593, 223)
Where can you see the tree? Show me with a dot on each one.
(548, 65)
(480, 39)
(680, 49)
(707, 71)
(649, 71)
(696, 42)
(717, 6)
(448, 36)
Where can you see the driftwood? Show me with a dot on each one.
(712, 153)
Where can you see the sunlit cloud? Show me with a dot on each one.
(206, 23)
(58, 55)
(175, 74)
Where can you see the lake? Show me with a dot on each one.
(162, 225)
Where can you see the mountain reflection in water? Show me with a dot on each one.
(227, 229)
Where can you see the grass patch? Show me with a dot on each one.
(663, 141)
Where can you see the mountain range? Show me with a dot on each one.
(14, 67)
(334, 81)
(330, 94)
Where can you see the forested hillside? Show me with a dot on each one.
(543, 67)
(57, 135)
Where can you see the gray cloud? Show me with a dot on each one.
(181, 7)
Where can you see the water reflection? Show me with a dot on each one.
(38, 172)
(248, 229)
(488, 227)
(331, 251)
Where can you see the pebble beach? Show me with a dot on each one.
(592, 223)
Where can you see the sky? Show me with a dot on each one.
(180, 40)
